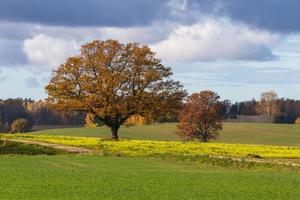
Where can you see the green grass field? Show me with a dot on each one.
(247, 133)
(91, 177)
(72, 177)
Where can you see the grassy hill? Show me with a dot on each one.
(246, 133)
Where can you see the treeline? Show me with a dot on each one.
(39, 113)
(284, 110)
(288, 110)
(35, 113)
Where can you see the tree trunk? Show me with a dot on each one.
(114, 132)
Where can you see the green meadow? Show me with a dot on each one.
(245, 133)
(94, 178)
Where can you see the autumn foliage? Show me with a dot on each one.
(114, 81)
(201, 117)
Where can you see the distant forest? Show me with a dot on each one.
(288, 110)
(38, 113)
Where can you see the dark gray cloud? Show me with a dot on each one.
(274, 15)
(82, 12)
(11, 53)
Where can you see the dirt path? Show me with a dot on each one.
(70, 149)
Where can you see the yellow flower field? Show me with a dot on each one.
(145, 148)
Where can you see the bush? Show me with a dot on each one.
(297, 121)
(21, 125)
(137, 120)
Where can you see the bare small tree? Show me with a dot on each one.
(201, 117)
(268, 105)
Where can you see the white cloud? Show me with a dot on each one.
(148, 35)
(145, 34)
(211, 39)
(50, 46)
(45, 50)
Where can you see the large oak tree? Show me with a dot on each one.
(114, 81)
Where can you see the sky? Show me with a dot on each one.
(238, 48)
